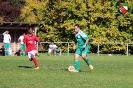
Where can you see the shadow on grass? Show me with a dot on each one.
(79, 70)
(24, 67)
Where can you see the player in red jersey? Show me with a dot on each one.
(29, 41)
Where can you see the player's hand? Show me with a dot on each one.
(84, 46)
(74, 47)
(42, 49)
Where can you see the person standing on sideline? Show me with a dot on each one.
(6, 41)
(82, 49)
(20, 40)
(29, 42)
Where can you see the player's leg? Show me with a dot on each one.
(86, 59)
(23, 50)
(60, 52)
(21, 53)
(6, 47)
(76, 61)
(54, 50)
(49, 51)
(34, 59)
(30, 56)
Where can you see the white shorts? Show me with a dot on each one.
(50, 51)
(33, 52)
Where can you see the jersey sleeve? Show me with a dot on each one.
(37, 39)
(24, 40)
(83, 35)
(10, 36)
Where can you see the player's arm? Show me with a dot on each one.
(19, 40)
(84, 38)
(75, 44)
(41, 46)
(4, 32)
(25, 47)
(50, 46)
(10, 39)
(86, 42)
(37, 40)
(24, 40)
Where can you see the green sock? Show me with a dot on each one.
(76, 64)
(87, 61)
(21, 53)
(5, 52)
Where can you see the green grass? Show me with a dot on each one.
(109, 72)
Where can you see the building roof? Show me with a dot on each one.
(19, 24)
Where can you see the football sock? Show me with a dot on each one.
(60, 54)
(76, 64)
(87, 61)
(35, 54)
(5, 52)
(21, 53)
(55, 53)
(35, 62)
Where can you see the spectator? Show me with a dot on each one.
(20, 40)
(53, 49)
(6, 41)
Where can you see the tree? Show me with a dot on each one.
(9, 13)
(96, 17)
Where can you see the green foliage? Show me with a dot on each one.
(97, 18)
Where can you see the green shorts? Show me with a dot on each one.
(22, 47)
(81, 51)
(6, 45)
(57, 50)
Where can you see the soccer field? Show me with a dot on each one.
(109, 72)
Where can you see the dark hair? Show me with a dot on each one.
(30, 28)
(51, 41)
(77, 25)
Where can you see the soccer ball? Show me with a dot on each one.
(71, 68)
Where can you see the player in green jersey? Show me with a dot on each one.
(82, 48)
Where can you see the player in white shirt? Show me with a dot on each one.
(6, 41)
(20, 40)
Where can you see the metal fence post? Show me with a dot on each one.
(68, 48)
(127, 49)
(98, 49)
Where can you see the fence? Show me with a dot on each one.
(98, 45)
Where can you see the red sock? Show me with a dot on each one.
(35, 54)
(35, 62)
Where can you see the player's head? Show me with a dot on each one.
(30, 30)
(7, 31)
(77, 28)
(23, 33)
(52, 42)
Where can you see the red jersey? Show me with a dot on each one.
(30, 42)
